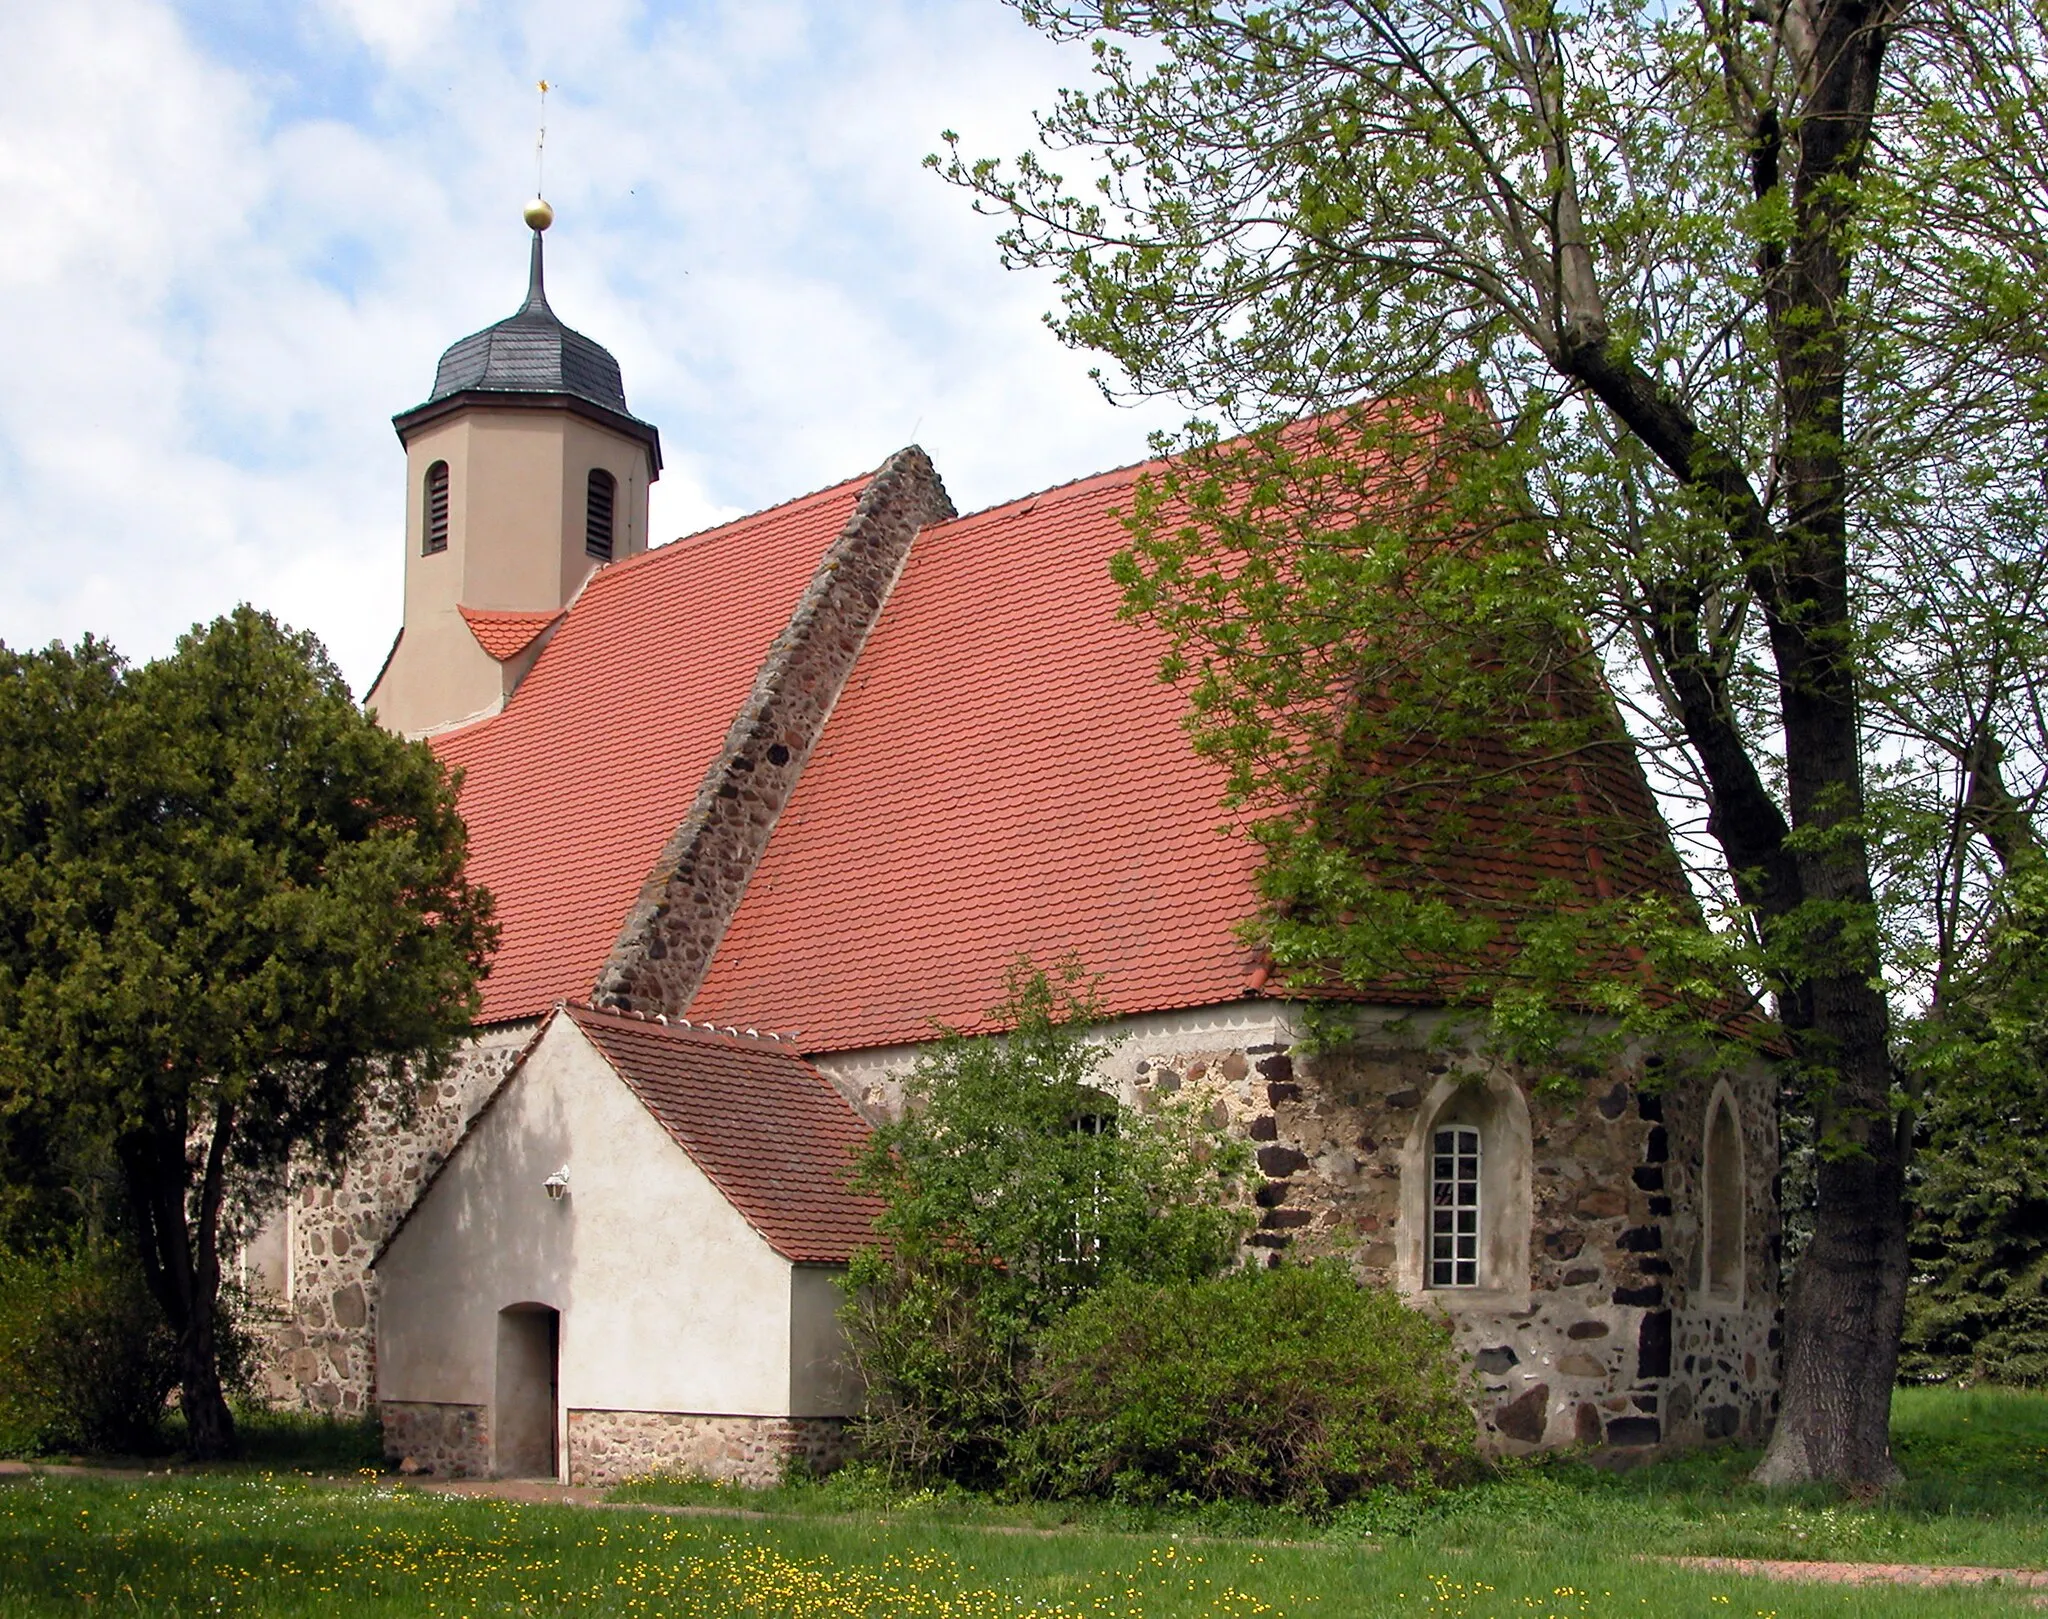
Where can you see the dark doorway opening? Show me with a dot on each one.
(523, 1420)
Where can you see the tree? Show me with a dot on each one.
(1012, 1189)
(1979, 1310)
(232, 912)
(1698, 329)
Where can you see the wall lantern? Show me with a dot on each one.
(557, 1185)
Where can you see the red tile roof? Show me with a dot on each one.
(768, 1130)
(571, 792)
(1003, 773)
(505, 635)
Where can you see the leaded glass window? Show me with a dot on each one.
(1454, 1208)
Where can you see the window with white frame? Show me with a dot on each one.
(1454, 1207)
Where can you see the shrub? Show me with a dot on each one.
(1293, 1386)
(1012, 1189)
(86, 1358)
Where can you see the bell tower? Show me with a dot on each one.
(525, 471)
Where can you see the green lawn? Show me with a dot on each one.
(1552, 1540)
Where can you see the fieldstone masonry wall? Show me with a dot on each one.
(688, 899)
(317, 1344)
(608, 1447)
(447, 1441)
(1605, 1338)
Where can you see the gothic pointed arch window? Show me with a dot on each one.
(434, 510)
(1721, 1210)
(600, 504)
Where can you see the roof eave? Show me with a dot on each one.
(409, 422)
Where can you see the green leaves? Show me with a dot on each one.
(1014, 1187)
(231, 886)
(233, 916)
(1292, 1386)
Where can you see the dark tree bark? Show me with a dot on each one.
(1813, 894)
(178, 1235)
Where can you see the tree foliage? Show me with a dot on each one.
(1014, 1187)
(232, 914)
(1694, 351)
(1980, 1234)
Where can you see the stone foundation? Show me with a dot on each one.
(448, 1441)
(608, 1447)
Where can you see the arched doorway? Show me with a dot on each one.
(523, 1417)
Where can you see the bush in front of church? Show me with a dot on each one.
(1013, 1188)
(1294, 1387)
(86, 1357)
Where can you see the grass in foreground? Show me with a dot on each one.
(1554, 1539)
(251, 1544)
(1976, 1492)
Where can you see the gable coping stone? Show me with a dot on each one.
(664, 947)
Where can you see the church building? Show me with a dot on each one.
(764, 807)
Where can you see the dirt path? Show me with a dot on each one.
(1815, 1573)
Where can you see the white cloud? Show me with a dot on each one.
(242, 237)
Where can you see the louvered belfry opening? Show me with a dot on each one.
(597, 528)
(434, 536)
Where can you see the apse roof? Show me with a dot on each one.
(1006, 775)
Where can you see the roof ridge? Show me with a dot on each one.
(1057, 491)
(790, 504)
(784, 1038)
(1073, 486)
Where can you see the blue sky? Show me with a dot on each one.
(239, 234)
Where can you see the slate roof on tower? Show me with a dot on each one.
(528, 357)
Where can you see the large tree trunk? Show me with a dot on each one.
(209, 1425)
(1842, 1320)
(182, 1264)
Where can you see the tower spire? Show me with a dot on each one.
(538, 215)
(536, 285)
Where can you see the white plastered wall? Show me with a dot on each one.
(669, 1300)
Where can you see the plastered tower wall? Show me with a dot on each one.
(518, 519)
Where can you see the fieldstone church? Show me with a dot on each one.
(761, 808)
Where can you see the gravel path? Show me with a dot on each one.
(1815, 1573)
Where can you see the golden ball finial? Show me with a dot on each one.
(539, 215)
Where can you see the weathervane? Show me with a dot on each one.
(538, 214)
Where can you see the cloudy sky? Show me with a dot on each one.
(240, 232)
